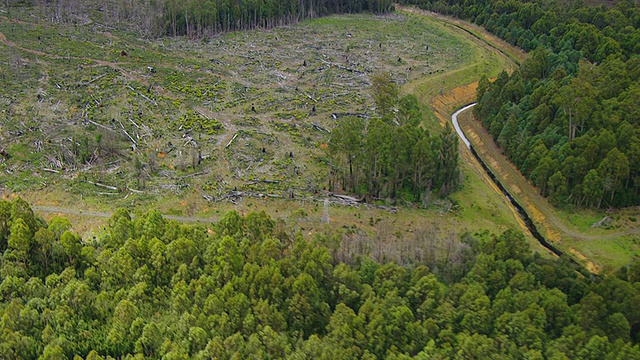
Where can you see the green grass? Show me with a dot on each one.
(481, 208)
(478, 61)
(610, 254)
(582, 219)
(254, 84)
(204, 89)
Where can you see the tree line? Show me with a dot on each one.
(212, 16)
(199, 18)
(568, 117)
(392, 155)
(246, 287)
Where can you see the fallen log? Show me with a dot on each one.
(135, 143)
(231, 141)
(102, 185)
(606, 221)
(348, 198)
(319, 128)
(100, 125)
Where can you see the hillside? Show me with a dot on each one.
(291, 190)
(250, 287)
(68, 119)
(247, 111)
(565, 120)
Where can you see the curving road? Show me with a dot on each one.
(557, 223)
(454, 120)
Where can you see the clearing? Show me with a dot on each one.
(97, 119)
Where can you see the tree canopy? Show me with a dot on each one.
(568, 117)
(240, 288)
(200, 18)
(392, 155)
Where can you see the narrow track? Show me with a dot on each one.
(520, 209)
(87, 213)
(518, 184)
(456, 125)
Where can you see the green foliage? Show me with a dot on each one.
(385, 94)
(392, 157)
(197, 19)
(198, 122)
(572, 95)
(241, 292)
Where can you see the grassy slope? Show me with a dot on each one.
(442, 95)
(71, 85)
(454, 58)
(601, 249)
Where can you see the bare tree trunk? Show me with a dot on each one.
(186, 20)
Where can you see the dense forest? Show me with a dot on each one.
(198, 18)
(569, 117)
(392, 156)
(247, 287)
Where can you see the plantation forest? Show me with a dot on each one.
(345, 219)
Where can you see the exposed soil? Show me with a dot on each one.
(592, 267)
(444, 104)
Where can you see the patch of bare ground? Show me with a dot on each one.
(591, 266)
(442, 106)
